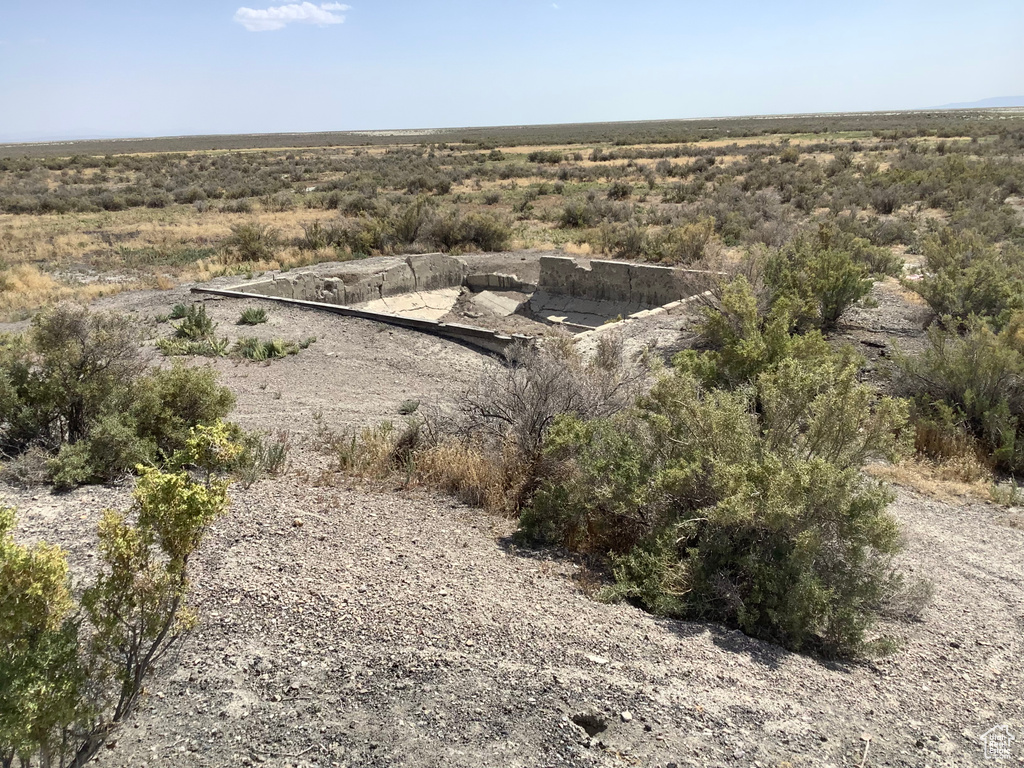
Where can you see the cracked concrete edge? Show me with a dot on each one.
(479, 338)
(651, 285)
(643, 314)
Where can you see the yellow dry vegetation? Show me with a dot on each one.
(44, 257)
(463, 471)
(957, 478)
(78, 256)
(24, 288)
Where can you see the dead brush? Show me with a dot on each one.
(952, 448)
(376, 452)
(365, 452)
(948, 480)
(465, 471)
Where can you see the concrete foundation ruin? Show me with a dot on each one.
(424, 292)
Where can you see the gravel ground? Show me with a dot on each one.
(352, 626)
(344, 626)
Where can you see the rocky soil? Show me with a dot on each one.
(346, 625)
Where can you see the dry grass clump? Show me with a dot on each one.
(951, 480)
(461, 468)
(489, 453)
(25, 288)
(465, 472)
(368, 453)
(928, 478)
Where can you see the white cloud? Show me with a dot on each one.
(279, 16)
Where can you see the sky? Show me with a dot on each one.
(113, 68)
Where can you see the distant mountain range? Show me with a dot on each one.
(998, 101)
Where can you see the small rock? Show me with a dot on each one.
(297, 522)
(626, 716)
(596, 659)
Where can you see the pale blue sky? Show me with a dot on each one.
(91, 68)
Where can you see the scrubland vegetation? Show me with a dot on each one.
(83, 225)
(73, 664)
(728, 483)
(77, 406)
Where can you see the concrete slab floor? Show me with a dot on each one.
(424, 305)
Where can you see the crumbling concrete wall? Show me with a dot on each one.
(619, 281)
(480, 338)
(497, 281)
(356, 285)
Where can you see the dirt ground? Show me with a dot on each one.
(344, 625)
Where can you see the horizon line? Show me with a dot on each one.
(398, 132)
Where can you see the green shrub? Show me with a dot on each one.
(252, 242)
(252, 348)
(451, 231)
(194, 335)
(789, 155)
(71, 467)
(743, 506)
(212, 347)
(875, 260)
(72, 670)
(368, 235)
(253, 316)
(178, 312)
(261, 455)
(820, 273)
(971, 385)
(113, 449)
(168, 403)
(409, 221)
(740, 339)
(684, 244)
(965, 275)
(552, 157)
(73, 390)
(196, 325)
(887, 200)
(620, 190)
(577, 214)
(316, 236)
(486, 232)
(623, 241)
(58, 379)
